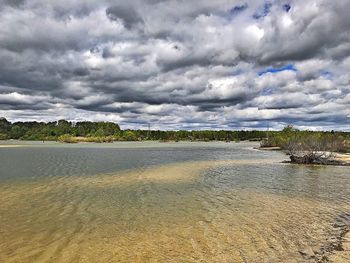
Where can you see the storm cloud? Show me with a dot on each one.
(177, 64)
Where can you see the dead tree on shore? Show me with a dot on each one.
(313, 149)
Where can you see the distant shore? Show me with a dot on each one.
(10, 145)
(273, 148)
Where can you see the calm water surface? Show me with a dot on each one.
(166, 202)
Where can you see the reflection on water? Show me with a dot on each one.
(188, 202)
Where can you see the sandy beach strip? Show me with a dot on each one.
(10, 145)
(343, 158)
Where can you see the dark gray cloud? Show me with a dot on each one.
(126, 12)
(177, 64)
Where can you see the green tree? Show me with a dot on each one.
(17, 131)
(129, 136)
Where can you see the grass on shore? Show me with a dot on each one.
(74, 139)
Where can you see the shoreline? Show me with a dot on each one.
(338, 250)
(343, 157)
(340, 159)
(272, 148)
(10, 145)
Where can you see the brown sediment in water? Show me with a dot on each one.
(339, 252)
(170, 173)
(146, 215)
(346, 243)
(337, 248)
(221, 236)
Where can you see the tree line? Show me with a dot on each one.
(67, 131)
(53, 130)
(108, 131)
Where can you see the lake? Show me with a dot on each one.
(167, 202)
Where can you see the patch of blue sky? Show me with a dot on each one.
(326, 74)
(238, 9)
(267, 91)
(263, 11)
(286, 7)
(289, 67)
(237, 72)
(235, 11)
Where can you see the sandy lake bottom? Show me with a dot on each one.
(168, 202)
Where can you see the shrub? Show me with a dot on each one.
(66, 138)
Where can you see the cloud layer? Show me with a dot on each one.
(177, 64)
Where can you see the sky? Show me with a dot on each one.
(177, 64)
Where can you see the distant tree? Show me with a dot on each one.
(289, 129)
(100, 133)
(129, 136)
(17, 131)
(5, 125)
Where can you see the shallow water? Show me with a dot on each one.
(165, 202)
